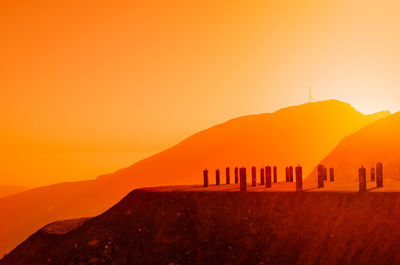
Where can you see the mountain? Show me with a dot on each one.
(290, 136)
(301, 134)
(151, 226)
(8, 190)
(378, 141)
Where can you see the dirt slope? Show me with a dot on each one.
(153, 227)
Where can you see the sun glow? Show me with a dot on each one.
(143, 76)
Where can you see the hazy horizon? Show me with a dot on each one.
(113, 160)
(111, 79)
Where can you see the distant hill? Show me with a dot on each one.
(301, 134)
(151, 227)
(8, 190)
(378, 141)
(294, 135)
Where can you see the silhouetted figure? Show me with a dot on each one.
(290, 174)
(372, 174)
(325, 173)
(362, 176)
(268, 177)
(275, 175)
(243, 181)
(320, 176)
(236, 175)
(217, 179)
(205, 176)
(331, 174)
(379, 175)
(253, 176)
(262, 176)
(299, 178)
(228, 177)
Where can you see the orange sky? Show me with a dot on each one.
(88, 88)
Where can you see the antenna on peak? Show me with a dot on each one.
(309, 95)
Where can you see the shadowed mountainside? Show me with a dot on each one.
(153, 227)
(301, 134)
(378, 141)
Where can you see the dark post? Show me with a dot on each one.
(299, 178)
(253, 176)
(287, 174)
(332, 174)
(268, 177)
(217, 177)
(362, 179)
(372, 174)
(291, 174)
(379, 175)
(228, 176)
(325, 174)
(320, 176)
(243, 182)
(275, 175)
(236, 175)
(205, 175)
(262, 176)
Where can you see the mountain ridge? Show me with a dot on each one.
(376, 142)
(309, 132)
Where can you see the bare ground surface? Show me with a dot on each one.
(308, 186)
(65, 226)
(219, 225)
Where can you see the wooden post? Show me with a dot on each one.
(379, 175)
(217, 177)
(236, 175)
(362, 176)
(205, 176)
(331, 174)
(228, 177)
(275, 175)
(262, 176)
(243, 182)
(287, 174)
(253, 176)
(299, 178)
(291, 174)
(320, 176)
(372, 174)
(268, 177)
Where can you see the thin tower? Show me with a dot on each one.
(309, 95)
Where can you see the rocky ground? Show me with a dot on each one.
(219, 225)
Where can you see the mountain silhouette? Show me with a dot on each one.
(376, 142)
(302, 134)
(8, 190)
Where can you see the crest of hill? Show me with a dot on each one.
(378, 141)
(301, 134)
(290, 136)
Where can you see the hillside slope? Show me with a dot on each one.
(378, 141)
(301, 134)
(8, 190)
(152, 227)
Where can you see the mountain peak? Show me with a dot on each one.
(301, 134)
